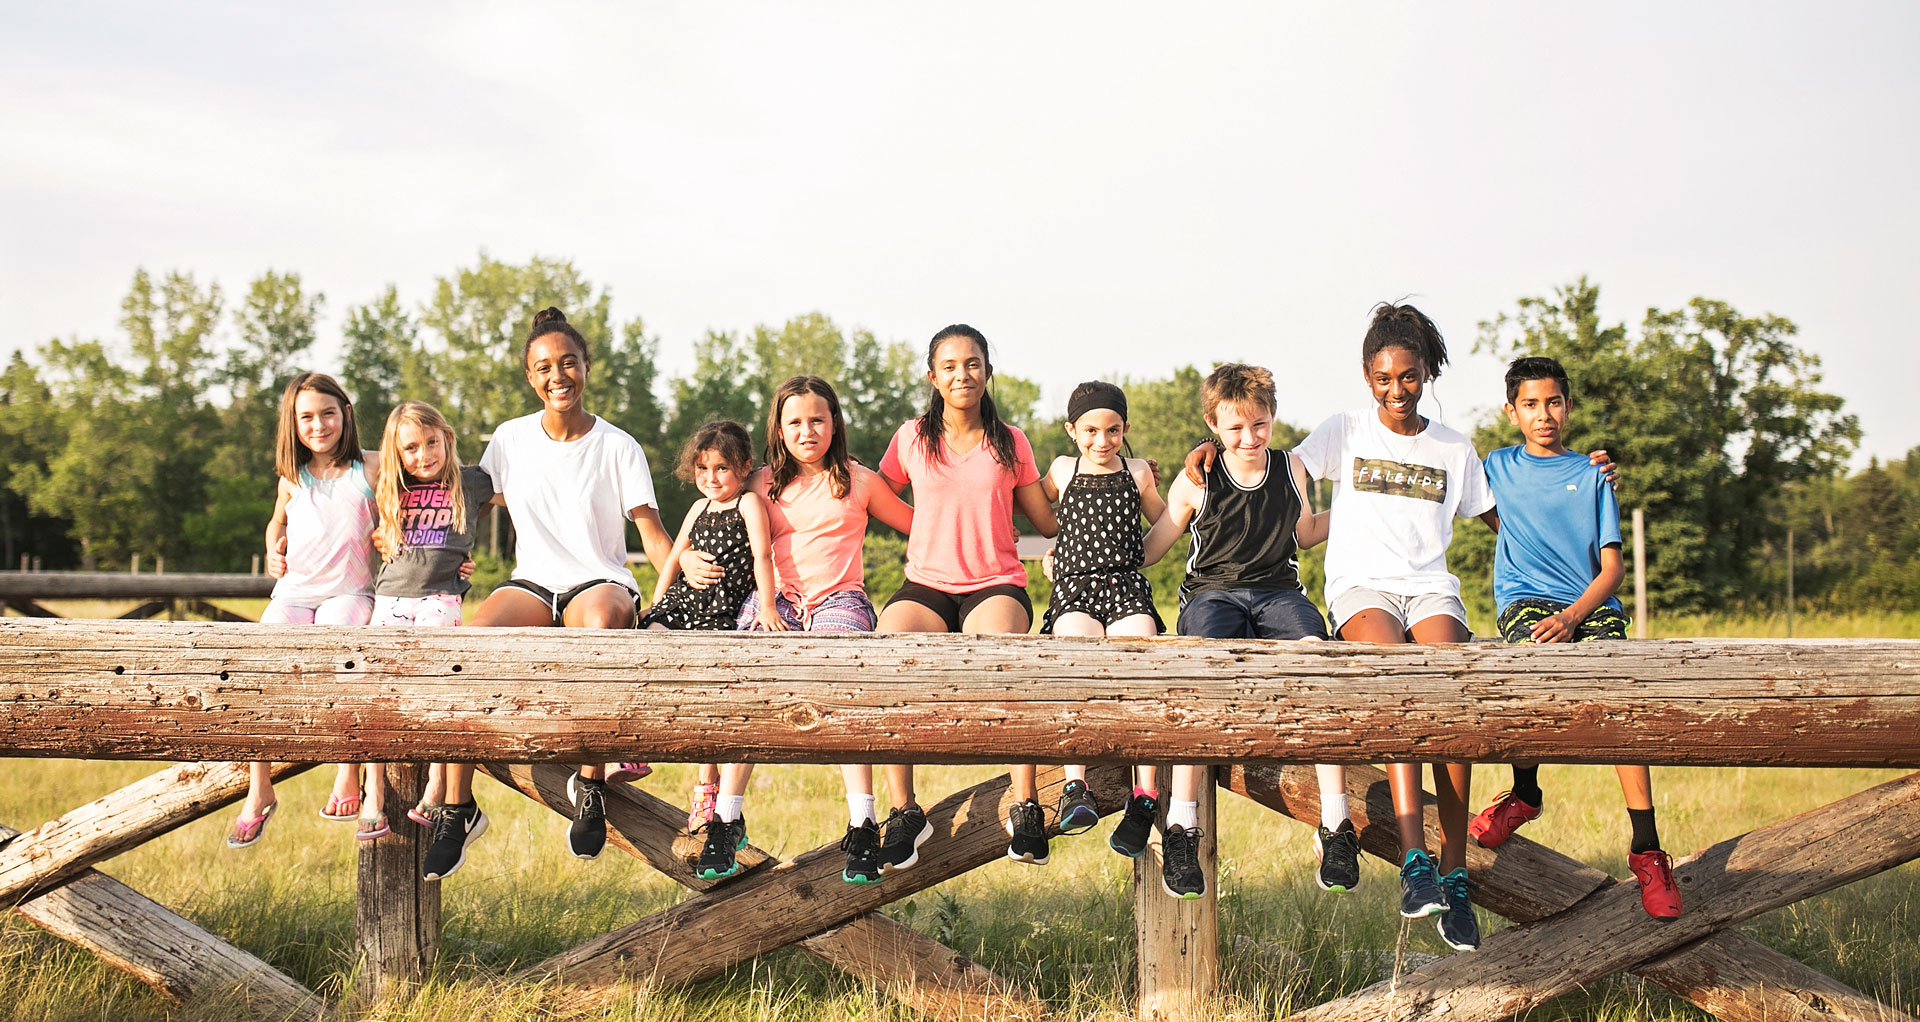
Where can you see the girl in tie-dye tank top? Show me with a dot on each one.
(320, 547)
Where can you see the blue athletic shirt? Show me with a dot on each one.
(1555, 515)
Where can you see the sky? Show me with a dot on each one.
(1101, 188)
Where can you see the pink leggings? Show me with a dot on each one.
(327, 610)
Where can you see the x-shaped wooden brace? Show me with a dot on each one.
(803, 901)
(1582, 925)
(47, 876)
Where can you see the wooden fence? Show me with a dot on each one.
(526, 701)
(158, 593)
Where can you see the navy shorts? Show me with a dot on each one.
(1251, 614)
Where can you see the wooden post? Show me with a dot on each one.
(1177, 942)
(1640, 614)
(1789, 583)
(396, 917)
(159, 565)
(136, 565)
(493, 539)
(36, 563)
(255, 570)
(25, 562)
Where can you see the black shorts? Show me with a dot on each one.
(1518, 618)
(953, 608)
(557, 602)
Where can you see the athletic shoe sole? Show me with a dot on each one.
(1079, 821)
(1433, 908)
(479, 828)
(1194, 896)
(919, 839)
(850, 878)
(1448, 941)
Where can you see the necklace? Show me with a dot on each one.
(1388, 435)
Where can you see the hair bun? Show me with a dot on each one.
(550, 314)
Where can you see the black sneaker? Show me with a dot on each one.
(900, 839)
(1077, 811)
(588, 834)
(1339, 852)
(1180, 863)
(1420, 893)
(1131, 834)
(862, 845)
(724, 838)
(1027, 824)
(1457, 925)
(454, 828)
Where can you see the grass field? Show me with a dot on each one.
(1063, 930)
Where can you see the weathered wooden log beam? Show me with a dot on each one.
(60, 848)
(1525, 965)
(114, 585)
(770, 908)
(130, 690)
(1728, 974)
(162, 949)
(929, 977)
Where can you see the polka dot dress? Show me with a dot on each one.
(717, 607)
(1096, 563)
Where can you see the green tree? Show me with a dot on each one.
(31, 431)
(1709, 412)
(883, 387)
(383, 365)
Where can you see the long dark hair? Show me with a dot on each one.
(1403, 326)
(933, 423)
(289, 454)
(782, 466)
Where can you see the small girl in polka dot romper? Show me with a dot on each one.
(730, 522)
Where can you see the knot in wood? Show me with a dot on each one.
(804, 717)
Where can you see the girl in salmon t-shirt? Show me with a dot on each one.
(970, 474)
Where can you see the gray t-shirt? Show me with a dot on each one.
(435, 537)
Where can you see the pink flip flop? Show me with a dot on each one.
(254, 825)
(341, 810)
(628, 772)
(422, 814)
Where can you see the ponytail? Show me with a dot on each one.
(1403, 326)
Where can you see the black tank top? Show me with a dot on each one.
(1243, 538)
(1099, 524)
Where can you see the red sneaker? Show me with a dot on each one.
(1497, 822)
(1658, 893)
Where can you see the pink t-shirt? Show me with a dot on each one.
(818, 538)
(963, 538)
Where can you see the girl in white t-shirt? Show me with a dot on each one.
(571, 480)
(1400, 480)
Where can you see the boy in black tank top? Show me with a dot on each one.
(1248, 522)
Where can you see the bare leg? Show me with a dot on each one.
(1636, 783)
(1149, 779)
(1403, 779)
(1023, 781)
(734, 778)
(899, 785)
(259, 789)
(1455, 787)
(1186, 782)
(459, 784)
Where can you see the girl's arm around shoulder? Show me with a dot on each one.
(1030, 501)
(277, 530)
(883, 502)
(1183, 499)
(1151, 506)
(760, 481)
(669, 566)
(1312, 528)
(370, 467)
(753, 511)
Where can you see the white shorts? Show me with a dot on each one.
(441, 610)
(1408, 610)
(317, 610)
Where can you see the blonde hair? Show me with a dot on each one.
(390, 493)
(1239, 384)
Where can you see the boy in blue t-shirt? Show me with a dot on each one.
(1556, 566)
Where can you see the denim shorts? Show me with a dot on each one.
(1251, 614)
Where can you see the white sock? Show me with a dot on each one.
(859, 809)
(1185, 815)
(1333, 811)
(728, 807)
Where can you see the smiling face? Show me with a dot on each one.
(806, 428)
(423, 451)
(959, 373)
(318, 421)
(1540, 409)
(557, 371)
(1098, 433)
(1243, 431)
(1396, 376)
(715, 477)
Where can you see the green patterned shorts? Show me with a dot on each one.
(1518, 618)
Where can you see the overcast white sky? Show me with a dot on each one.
(1101, 188)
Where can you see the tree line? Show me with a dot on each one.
(160, 442)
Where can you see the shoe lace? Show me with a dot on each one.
(1182, 850)
(1140, 810)
(860, 842)
(1345, 841)
(593, 803)
(1458, 887)
(896, 829)
(1028, 815)
(446, 825)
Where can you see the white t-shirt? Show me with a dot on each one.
(569, 500)
(1394, 501)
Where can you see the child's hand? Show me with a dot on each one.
(1200, 462)
(770, 620)
(1555, 628)
(467, 568)
(1046, 564)
(1153, 469)
(699, 569)
(277, 559)
(1603, 461)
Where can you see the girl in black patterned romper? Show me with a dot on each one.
(1097, 585)
(729, 522)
